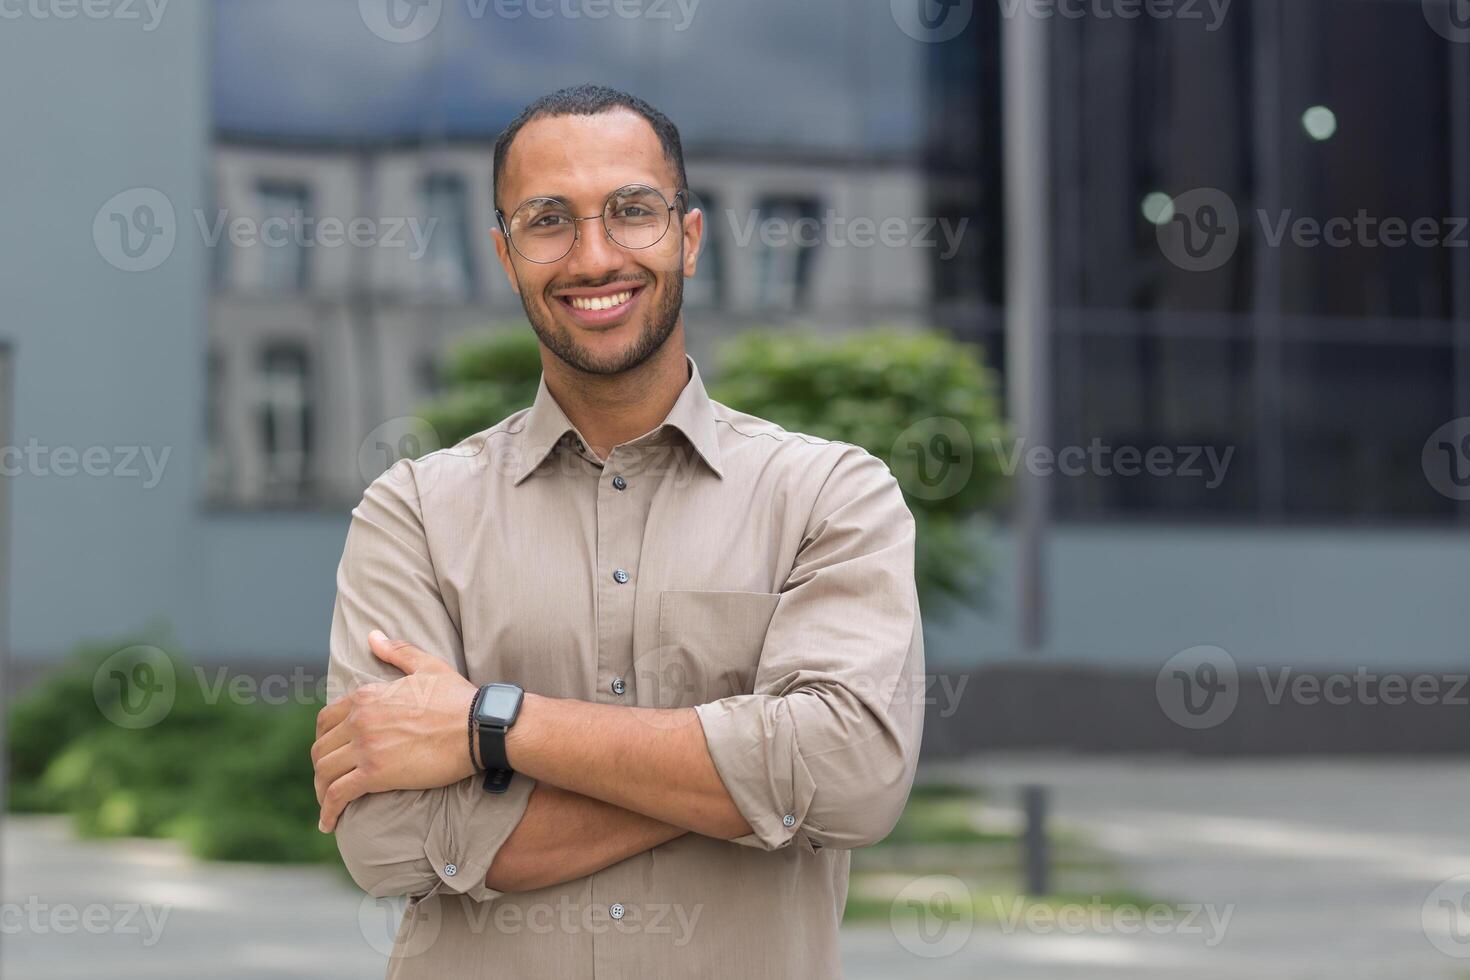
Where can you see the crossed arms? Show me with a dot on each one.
(821, 754)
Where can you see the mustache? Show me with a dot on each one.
(634, 281)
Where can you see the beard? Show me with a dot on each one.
(658, 324)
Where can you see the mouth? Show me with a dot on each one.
(601, 307)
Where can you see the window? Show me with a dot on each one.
(285, 415)
(448, 260)
(218, 475)
(787, 234)
(284, 235)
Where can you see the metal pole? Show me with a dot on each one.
(1026, 132)
(1037, 847)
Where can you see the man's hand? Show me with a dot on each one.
(411, 733)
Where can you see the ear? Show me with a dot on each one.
(693, 227)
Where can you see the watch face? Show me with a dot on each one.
(499, 704)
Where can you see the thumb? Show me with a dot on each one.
(403, 655)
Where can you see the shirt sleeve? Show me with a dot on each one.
(408, 842)
(824, 752)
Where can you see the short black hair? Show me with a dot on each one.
(592, 100)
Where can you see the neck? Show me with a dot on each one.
(610, 410)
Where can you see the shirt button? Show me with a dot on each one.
(618, 687)
(617, 910)
(451, 870)
(620, 576)
(788, 820)
(619, 483)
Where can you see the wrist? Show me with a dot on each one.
(476, 763)
(521, 735)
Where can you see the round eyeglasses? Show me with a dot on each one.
(543, 230)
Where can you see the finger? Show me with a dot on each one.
(332, 767)
(403, 655)
(326, 744)
(342, 792)
(332, 715)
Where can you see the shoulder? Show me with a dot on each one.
(826, 467)
(440, 478)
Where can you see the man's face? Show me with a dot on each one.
(581, 160)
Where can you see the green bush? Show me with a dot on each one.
(231, 780)
(489, 377)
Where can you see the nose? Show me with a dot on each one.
(594, 255)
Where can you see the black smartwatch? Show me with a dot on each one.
(496, 708)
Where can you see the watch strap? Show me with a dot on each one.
(497, 780)
(492, 747)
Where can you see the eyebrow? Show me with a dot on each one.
(566, 203)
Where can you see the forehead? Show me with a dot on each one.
(582, 158)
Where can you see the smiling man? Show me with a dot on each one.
(628, 674)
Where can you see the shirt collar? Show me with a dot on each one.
(692, 414)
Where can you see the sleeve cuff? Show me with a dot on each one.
(470, 831)
(752, 740)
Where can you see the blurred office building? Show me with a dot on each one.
(1240, 409)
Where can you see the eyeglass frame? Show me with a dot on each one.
(681, 195)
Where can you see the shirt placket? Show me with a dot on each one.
(621, 514)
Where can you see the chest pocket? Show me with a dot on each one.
(709, 646)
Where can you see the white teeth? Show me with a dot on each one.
(601, 302)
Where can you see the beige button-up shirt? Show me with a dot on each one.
(763, 577)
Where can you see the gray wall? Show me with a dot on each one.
(102, 357)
